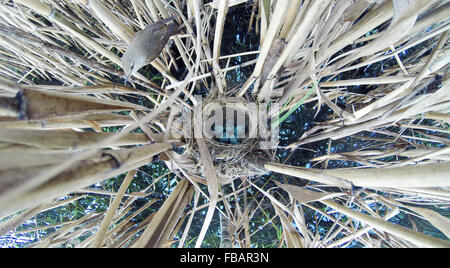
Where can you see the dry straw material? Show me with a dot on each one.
(378, 69)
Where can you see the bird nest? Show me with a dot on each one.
(229, 127)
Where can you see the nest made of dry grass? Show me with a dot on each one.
(232, 161)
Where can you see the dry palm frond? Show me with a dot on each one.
(60, 71)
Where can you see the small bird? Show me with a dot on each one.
(146, 45)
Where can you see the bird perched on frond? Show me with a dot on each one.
(147, 44)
